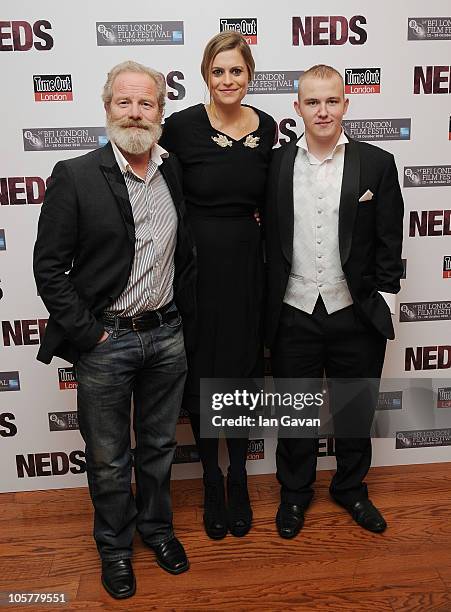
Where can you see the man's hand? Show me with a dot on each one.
(103, 337)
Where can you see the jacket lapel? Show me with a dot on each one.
(348, 199)
(117, 185)
(285, 199)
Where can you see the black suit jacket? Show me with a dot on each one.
(85, 248)
(369, 233)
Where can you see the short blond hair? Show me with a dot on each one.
(130, 66)
(226, 41)
(320, 71)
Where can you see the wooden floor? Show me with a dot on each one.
(333, 565)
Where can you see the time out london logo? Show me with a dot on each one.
(362, 80)
(52, 87)
(247, 26)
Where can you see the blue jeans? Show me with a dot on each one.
(151, 366)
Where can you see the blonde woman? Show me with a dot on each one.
(224, 148)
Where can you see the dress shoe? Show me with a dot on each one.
(238, 507)
(289, 520)
(171, 556)
(118, 578)
(366, 515)
(215, 516)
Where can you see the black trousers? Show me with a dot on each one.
(338, 345)
(208, 454)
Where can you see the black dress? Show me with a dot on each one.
(224, 182)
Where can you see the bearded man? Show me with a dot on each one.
(114, 265)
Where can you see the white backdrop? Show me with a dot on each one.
(40, 446)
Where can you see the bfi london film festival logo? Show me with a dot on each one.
(275, 82)
(427, 176)
(423, 438)
(63, 421)
(2, 240)
(24, 36)
(429, 28)
(9, 381)
(389, 400)
(362, 80)
(328, 30)
(377, 129)
(247, 26)
(444, 397)
(130, 33)
(66, 377)
(67, 139)
(416, 312)
(446, 265)
(52, 87)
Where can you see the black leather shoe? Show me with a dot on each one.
(215, 516)
(367, 516)
(238, 507)
(118, 578)
(289, 520)
(171, 556)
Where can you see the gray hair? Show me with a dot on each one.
(130, 66)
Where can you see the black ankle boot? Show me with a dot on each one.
(215, 517)
(239, 506)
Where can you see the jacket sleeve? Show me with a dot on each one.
(54, 252)
(389, 231)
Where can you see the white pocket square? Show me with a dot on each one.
(367, 196)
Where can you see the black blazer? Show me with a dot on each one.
(369, 233)
(85, 248)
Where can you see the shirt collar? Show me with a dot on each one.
(157, 155)
(302, 144)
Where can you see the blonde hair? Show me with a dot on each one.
(129, 66)
(320, 71)
(226, 41)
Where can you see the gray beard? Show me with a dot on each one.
(133, 141)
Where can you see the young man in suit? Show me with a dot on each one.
(334, 237)
(114, 265)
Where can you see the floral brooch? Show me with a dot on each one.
(251, 141)
(222, 140)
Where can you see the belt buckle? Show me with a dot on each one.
(134, 326)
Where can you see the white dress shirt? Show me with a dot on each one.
(150, 284)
